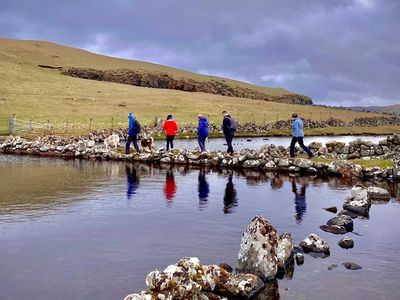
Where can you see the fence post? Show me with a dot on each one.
(265, 118)
(11, 124)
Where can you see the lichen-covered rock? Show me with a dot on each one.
(284, 249)
(258, 249)
(251, 164)
(302, 163)
(313, 243)
(359, 205)
(188, 279)
(377, 193)
(358, 191)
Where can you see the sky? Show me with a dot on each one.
(338, 52)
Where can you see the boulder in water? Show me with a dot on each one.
(258, 249)
(313, 243)
(346, 243)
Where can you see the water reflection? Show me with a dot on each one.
(299, 200)
(230, 196)
(132, 178)
(203, 189)
(170, 186)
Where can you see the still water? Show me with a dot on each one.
(240, 143)
(90, 230)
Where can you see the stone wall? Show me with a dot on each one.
(268, 158)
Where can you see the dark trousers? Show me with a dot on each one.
(170, 141)
(202, 142)
(229, 139)
(132, 139)
(300, 141)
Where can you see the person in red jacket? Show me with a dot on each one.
(171, 128)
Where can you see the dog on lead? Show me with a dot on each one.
(147, 143)
(112, 141)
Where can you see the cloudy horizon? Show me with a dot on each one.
(342, 52)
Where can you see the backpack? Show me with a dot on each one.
(137, 128)
(233, 124)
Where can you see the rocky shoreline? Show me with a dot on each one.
(335, 158)
(264, 256)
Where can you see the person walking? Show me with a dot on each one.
(171, 128)
(202, 131)
(298, 135)
(229, 128)
(133, 131)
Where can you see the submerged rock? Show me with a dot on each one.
(342, 220)
(313, 243)
(258, 249)
(332, 209)
(335, 229)
(332, 266)
(351, 266)
(346, 243)
(299, 258)
(270, 291)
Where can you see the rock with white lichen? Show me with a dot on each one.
(188, 279)
(313, 243)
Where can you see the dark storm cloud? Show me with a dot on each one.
(338, 52)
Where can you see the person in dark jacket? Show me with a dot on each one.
(228, 129)
(202, 131)
(171, 128)
(133, 131)
(298, 135)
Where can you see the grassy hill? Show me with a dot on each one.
(43, 94)
(395, 108)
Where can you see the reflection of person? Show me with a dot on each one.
(230, 198)
(299, 201)
(276, 182)
(170, 186)
(132, 179)
(298, 135)
(203, 188)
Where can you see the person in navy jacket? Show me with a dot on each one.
(202, 131)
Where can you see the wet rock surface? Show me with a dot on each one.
(262, 250)
(313, 243)
(188, 279)
(346, 243)
(351, 266)
(267, 158)
(343, 220)
(332, 209)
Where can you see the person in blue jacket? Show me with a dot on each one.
(298, 135)
(202, 131)
(133, 131)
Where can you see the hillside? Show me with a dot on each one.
(395, 108)
(79, 63)
(45, 95)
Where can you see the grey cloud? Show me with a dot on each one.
(338, 52)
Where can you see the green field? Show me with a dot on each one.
(66, 103)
